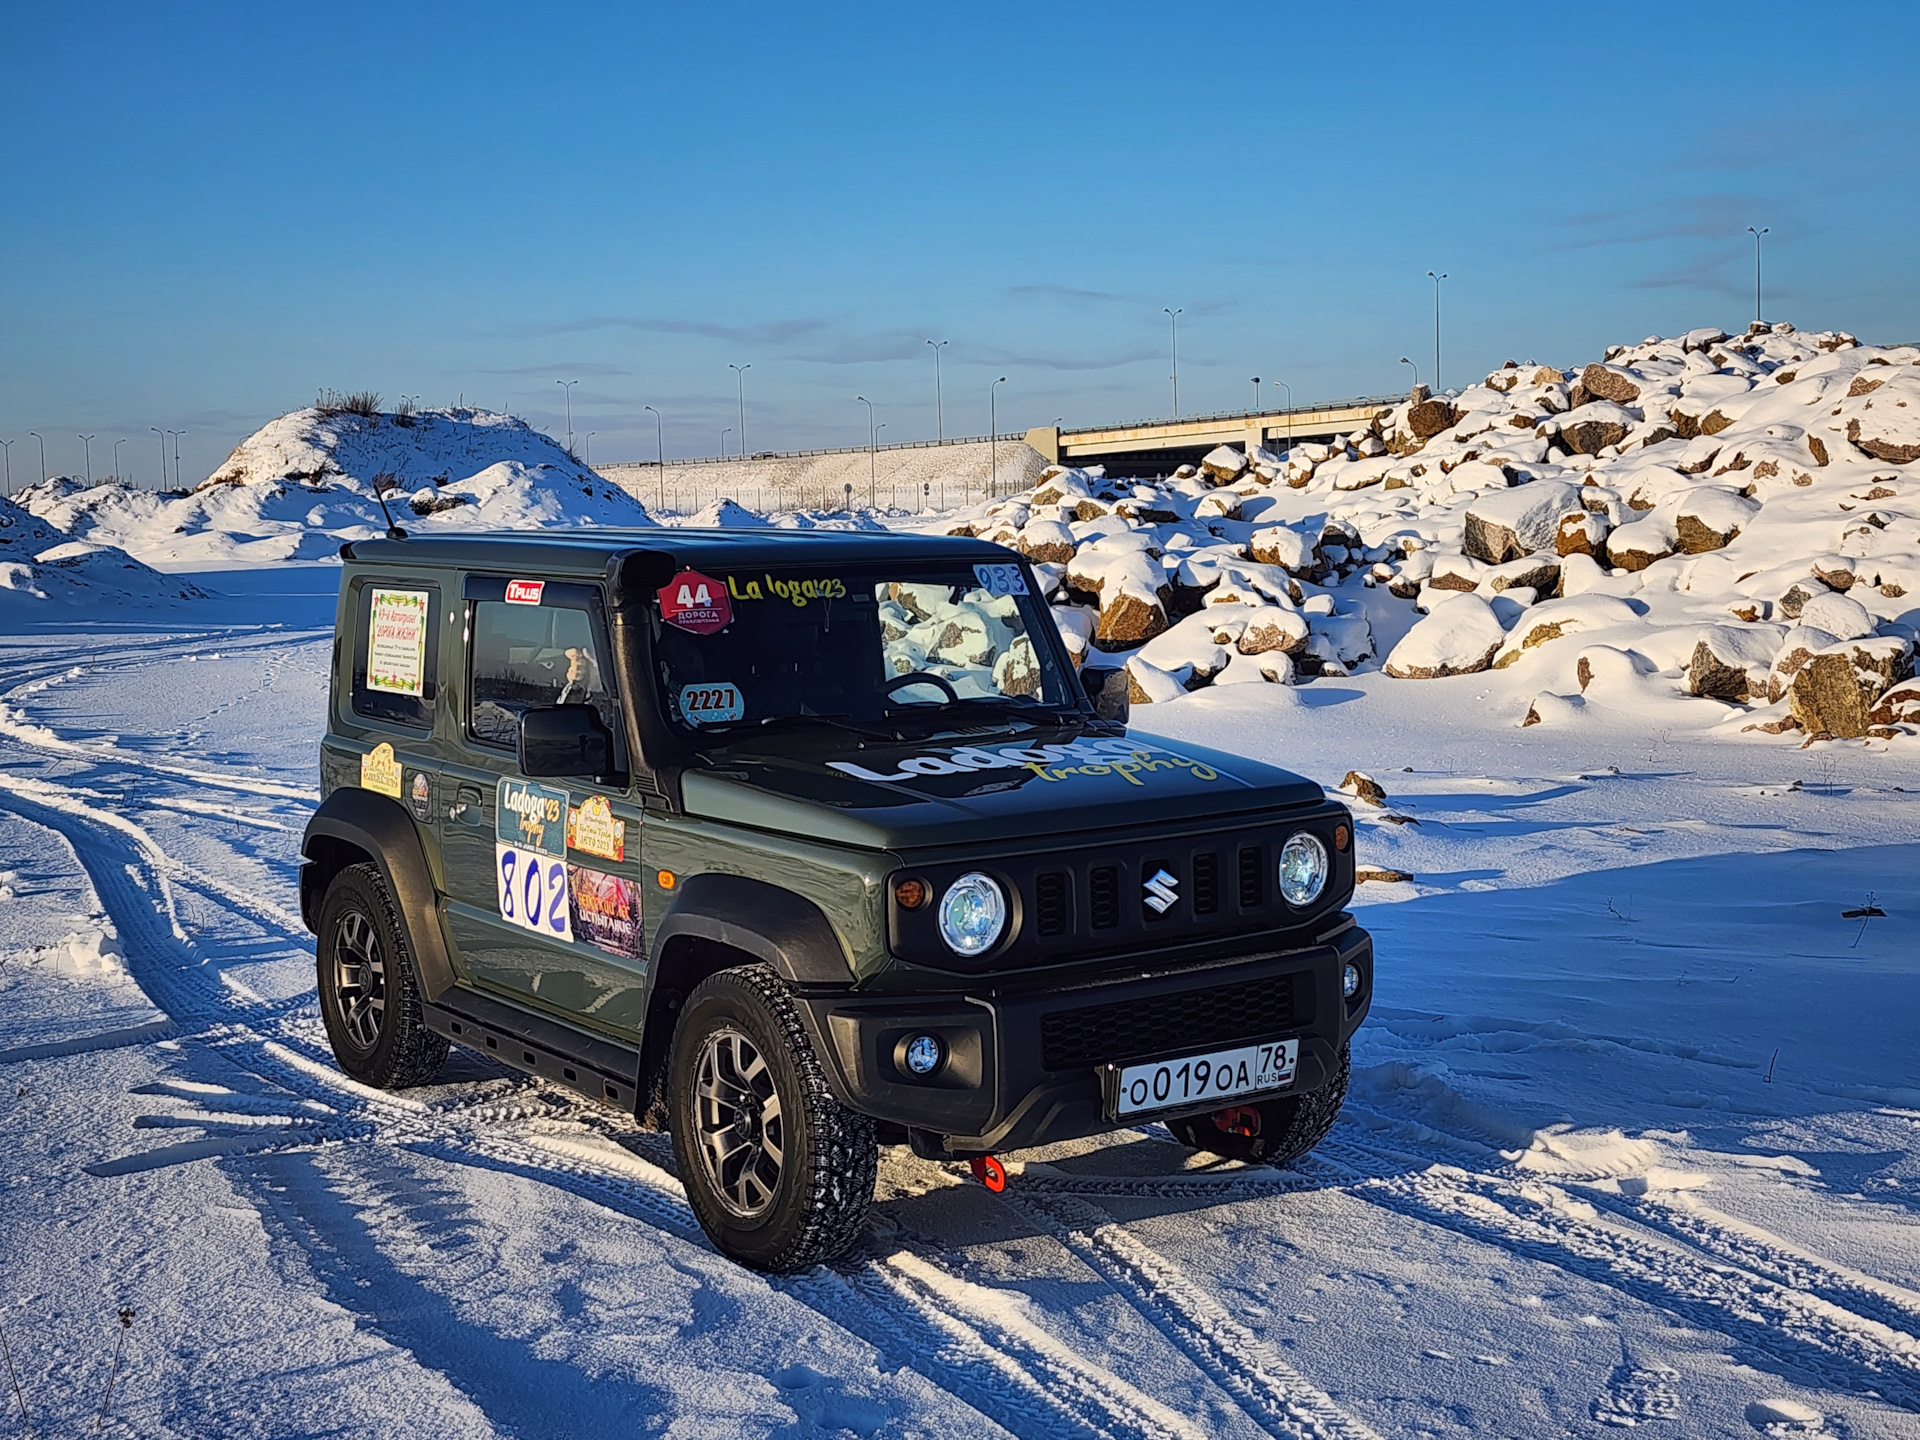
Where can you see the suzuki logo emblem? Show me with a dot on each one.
(1162, 891)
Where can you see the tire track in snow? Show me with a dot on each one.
(1010, 1372)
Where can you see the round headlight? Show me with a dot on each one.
(1303, 869)
(973, 912)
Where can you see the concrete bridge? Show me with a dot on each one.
(1156, 447)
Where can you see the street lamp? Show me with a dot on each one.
(740, 383)
(1436, 326)
(163, 454)
(178, 483)
(1416, 371)
(660, 440)
(873, 447)
(43, 454)
(939, 419)
(116, 458)
(6, 449)
(1289, 389)
(1174, 316)
(723, 441)
(589, 460)
(1756, 268)
(567, 385)
(1256, 394)
(993, 436)
(86, 442)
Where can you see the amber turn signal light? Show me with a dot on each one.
(665, 877)
(1341, 835)
(911, 894)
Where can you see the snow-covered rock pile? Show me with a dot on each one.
(1727, 519)
(304, 483)
(40, 568)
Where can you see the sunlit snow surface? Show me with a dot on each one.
(1631, 1139)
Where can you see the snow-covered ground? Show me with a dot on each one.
(1634, 1137)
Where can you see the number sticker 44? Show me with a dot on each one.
(532, 890)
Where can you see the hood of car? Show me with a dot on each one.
(1007, 787)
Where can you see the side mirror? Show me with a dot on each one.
(1109, 693)
(564, 741)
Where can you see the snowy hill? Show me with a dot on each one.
(41, 568)
(1711, 532)
(304, 483)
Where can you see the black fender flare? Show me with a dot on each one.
(383, 830)
(787, 931)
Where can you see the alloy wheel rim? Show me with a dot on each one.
(359, 980)
(739, 1123)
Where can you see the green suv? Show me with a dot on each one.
(800, 843)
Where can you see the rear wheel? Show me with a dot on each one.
(369, 992)
(1272, 1132)
(778, 1171)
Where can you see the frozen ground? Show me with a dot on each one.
(1632, 1139)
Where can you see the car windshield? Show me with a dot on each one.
(864, 643)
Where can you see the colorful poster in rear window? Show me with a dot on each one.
(397, 641)
(606, 911)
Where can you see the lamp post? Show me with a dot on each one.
(589, 460)
(163, 454)
(43, 453)
(723, 441)
(1174, 316)
(993, 436)
(1436, 326)
(177, 481)
(6, 449)
(1416, 371)
(1756, 268)
(116, 456)
(86, 442)
(873, 446)
(1256, 394)
(660, 441)
(567, 385)
(740, 382)
(939, 418)
(1289, 389)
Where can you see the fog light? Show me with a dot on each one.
(1350, 981)
(924, 1054)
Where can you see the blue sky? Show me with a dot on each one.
(212, 212)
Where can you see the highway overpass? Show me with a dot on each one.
(1156, 447)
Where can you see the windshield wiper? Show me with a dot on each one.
(838, 722)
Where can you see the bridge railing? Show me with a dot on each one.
(1297, 411)
(1012, 437)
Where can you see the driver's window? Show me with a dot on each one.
(522, 656)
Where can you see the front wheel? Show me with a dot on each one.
(779, 1173)
(1272, 1132)
(369, 992)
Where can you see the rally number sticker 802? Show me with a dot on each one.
(532, 891)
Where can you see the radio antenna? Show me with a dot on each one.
(383, 482)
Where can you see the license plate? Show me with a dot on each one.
(1170, 1084)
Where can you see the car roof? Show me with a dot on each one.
(592, 550)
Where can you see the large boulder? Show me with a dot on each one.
(1709, 517)
(1899, 706)
(1507, 524)
(1835, 692)
(1591, 428)
(1730, 663)
(1223, 464)
(1458, 638)
(1883, 418)
(1841, 616)
(1270, 628)
(1610, 383)
(1288, 548)
(1797, 647)
(1046, 542)
(1551, 619)
(1580, 532)
(1428, 418)
(1637, 545)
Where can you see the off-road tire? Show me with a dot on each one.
(404, 1052)
(1289, 1126)
(829, 1161)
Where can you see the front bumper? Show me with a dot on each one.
(1026, 1068)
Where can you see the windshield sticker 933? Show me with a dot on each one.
(1127, 759)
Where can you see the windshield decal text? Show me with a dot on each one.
(795, 592)
(1127, 759)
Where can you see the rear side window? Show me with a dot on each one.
(396, 651)
(524, 656)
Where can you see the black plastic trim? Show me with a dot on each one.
(787, 931)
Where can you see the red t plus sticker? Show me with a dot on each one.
(525, 592)
(696, 602)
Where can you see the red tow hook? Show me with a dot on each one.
(1241, 1120)
(989, 1172)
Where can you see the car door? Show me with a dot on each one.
(544, 899)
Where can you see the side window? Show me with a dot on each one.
(522, 656)
(396, 651)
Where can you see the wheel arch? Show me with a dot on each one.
(355, 826)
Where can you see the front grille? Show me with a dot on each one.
(1050, 903)
(1167, 1024)
(1206, 883)
(1253, 875)
(1103, 896)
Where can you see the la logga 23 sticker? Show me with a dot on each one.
(710, 704)
(532, 818)
(695, 603)
(379, 771)
(593, 827)
(794, 592)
